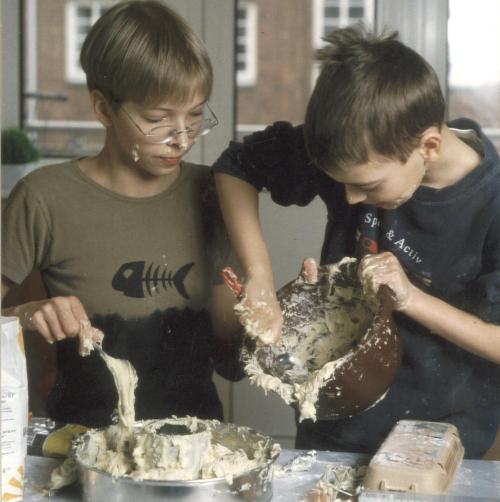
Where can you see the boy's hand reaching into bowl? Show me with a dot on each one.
(384, 268)
(259, 310)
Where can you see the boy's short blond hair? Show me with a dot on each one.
(373, 95)
(144, 52)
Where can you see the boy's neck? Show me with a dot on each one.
(124, 179)
(456, 160)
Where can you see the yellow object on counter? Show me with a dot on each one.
(58, 442)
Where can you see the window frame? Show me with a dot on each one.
(344, 19)
(73, 71)
(248, 76)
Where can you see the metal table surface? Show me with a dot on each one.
(475, 480)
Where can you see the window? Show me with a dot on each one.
(246, 43)
(56, 109)
(332, 14)
(80, 16)
(474, 65)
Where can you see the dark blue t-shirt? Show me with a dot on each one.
(448, 242)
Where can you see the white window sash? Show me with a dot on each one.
(248, 76)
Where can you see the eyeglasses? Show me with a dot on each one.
(165, 134)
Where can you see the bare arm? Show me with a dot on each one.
(239, 204)
(459, 327)
(240, 207)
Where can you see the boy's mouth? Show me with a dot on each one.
(169, 161)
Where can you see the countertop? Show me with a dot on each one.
(475, 480)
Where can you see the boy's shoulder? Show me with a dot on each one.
(52, 175)
(195, 170)
(488, 169)
(196, 174)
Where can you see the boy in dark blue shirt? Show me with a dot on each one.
(417, 200)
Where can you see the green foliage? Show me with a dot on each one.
(17, 148)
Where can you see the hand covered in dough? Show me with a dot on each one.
(384, 268)
(259, 310)
(88, 336)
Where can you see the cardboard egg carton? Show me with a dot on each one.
(416, 457)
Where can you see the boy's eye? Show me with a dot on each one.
(167, 119)
(196, 115)
(156, 120)
(370, 188)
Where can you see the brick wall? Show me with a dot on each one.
(284, 67)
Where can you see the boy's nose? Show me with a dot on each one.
(354, 195)
(180, 140)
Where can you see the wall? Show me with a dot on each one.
(11, 61)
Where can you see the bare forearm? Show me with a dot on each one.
(455, 325)
(239, 202)
(240, 207)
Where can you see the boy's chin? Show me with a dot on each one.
(389, 205)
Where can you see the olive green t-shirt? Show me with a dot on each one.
(143, 269)
(118, 254)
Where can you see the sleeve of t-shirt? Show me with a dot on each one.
(275, 159)
(25, 234)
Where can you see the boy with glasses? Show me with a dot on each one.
(131, 238)
(419, 198)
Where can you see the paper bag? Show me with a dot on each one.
(14, 412)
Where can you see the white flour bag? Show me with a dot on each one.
(14, 413)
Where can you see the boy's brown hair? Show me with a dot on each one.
(143, 51)
(373, 95)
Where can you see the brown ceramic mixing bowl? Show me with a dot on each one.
(333, 321)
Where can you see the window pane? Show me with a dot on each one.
(340, 13)
(332, 12)
(357, 12)
(473, 80)
(84, 12)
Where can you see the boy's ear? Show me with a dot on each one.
(101, 108)
(430, 144)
